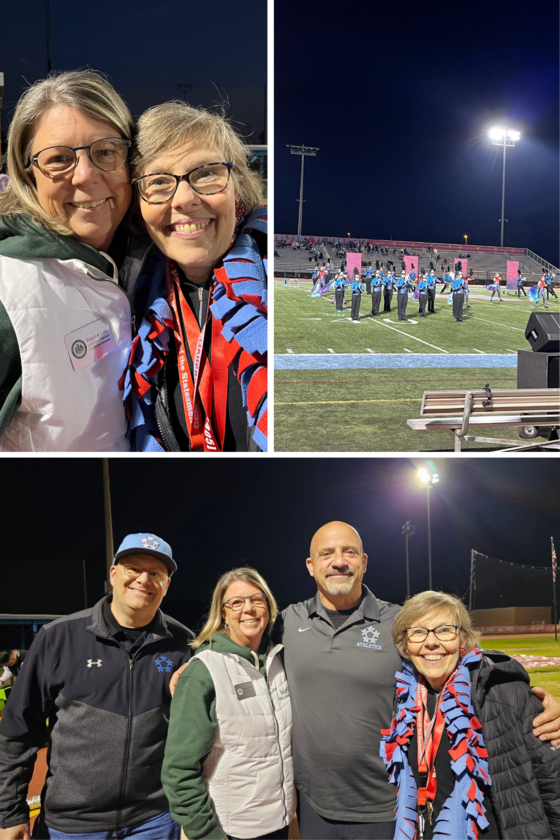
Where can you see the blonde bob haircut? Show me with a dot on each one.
(215, 621)
(430, 602)
(85, 90)
(170, 127)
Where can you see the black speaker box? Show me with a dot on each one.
(538, 370)
(543, 332)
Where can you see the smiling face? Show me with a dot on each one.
(92, 202)
(136, 600)
(193, 230)
(338, 564)
(246, 626)
(434, 659)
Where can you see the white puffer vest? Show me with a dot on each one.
(66, 313)
(249, 773)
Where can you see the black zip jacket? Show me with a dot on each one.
(525, 772)
(108, 714)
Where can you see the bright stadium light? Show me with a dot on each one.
(428, 478)
(503, 137)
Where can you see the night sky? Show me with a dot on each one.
(221, 513)
(398, 97)
(147, 50)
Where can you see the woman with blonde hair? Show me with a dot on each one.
(461, 748)
(228, 770)
(64, 322)
(197, 377)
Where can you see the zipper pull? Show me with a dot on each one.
(200, 293)
(131, 663)
(200, 306)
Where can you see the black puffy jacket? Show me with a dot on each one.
(525, 772)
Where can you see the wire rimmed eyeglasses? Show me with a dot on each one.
(155, 575)
(443, 632)
(207, 179)
(238, 601)
(107, 154)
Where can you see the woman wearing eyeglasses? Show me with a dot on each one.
(460, 749)
(227, 770)
(197, 375)
(64, 322)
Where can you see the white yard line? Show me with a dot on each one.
(330, 349)
(370, 350)
(407, 350)
(495, 323)
(479, 351)
(289, 351)
(381, 324)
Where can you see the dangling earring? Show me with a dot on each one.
(239, 210)
(462, 651)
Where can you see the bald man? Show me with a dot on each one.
(340, 662)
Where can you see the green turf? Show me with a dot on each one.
(529, 646)
(366, 410)
(313, 411)
(547, 678)
(489, 326)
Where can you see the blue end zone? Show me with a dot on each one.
(339, 361)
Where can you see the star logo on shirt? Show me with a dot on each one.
(369, 634)
(163, 664)
(149, 542)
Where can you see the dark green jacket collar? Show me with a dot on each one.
(24, 239)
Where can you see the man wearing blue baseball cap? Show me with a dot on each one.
(101, 678)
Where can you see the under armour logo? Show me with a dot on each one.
(91, 662)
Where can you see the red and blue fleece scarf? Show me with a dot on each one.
(239, 303)
(463, 813)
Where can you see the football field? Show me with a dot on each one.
(351, 387)
(546, 676)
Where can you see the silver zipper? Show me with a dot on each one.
(200, 306)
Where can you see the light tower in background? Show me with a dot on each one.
(304, 151)
(503, 137)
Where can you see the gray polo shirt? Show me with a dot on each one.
(342, 684)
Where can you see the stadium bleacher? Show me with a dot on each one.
(290, 262)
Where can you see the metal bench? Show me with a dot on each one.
(478, 409)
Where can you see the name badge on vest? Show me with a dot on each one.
(89, 344)
(244, 690)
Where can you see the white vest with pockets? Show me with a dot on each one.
(63, 409)
(249, 773)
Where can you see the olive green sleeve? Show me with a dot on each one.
(10, 371)
(192, 731)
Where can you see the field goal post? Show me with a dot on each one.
(294, 281)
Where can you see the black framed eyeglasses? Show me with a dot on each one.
(60, 161)
(238, 601)
(208, 179)
(444, 633)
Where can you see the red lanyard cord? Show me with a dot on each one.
(204, 387)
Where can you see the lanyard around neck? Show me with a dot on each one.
(205, 386)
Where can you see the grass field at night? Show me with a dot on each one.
(347, 387)
(547, 677)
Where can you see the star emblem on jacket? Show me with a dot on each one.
(369, 634)
(149, 542)
(163, 664)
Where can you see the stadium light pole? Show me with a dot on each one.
(503, 137)
(408, 529)
(429, 479)
(304, 151)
